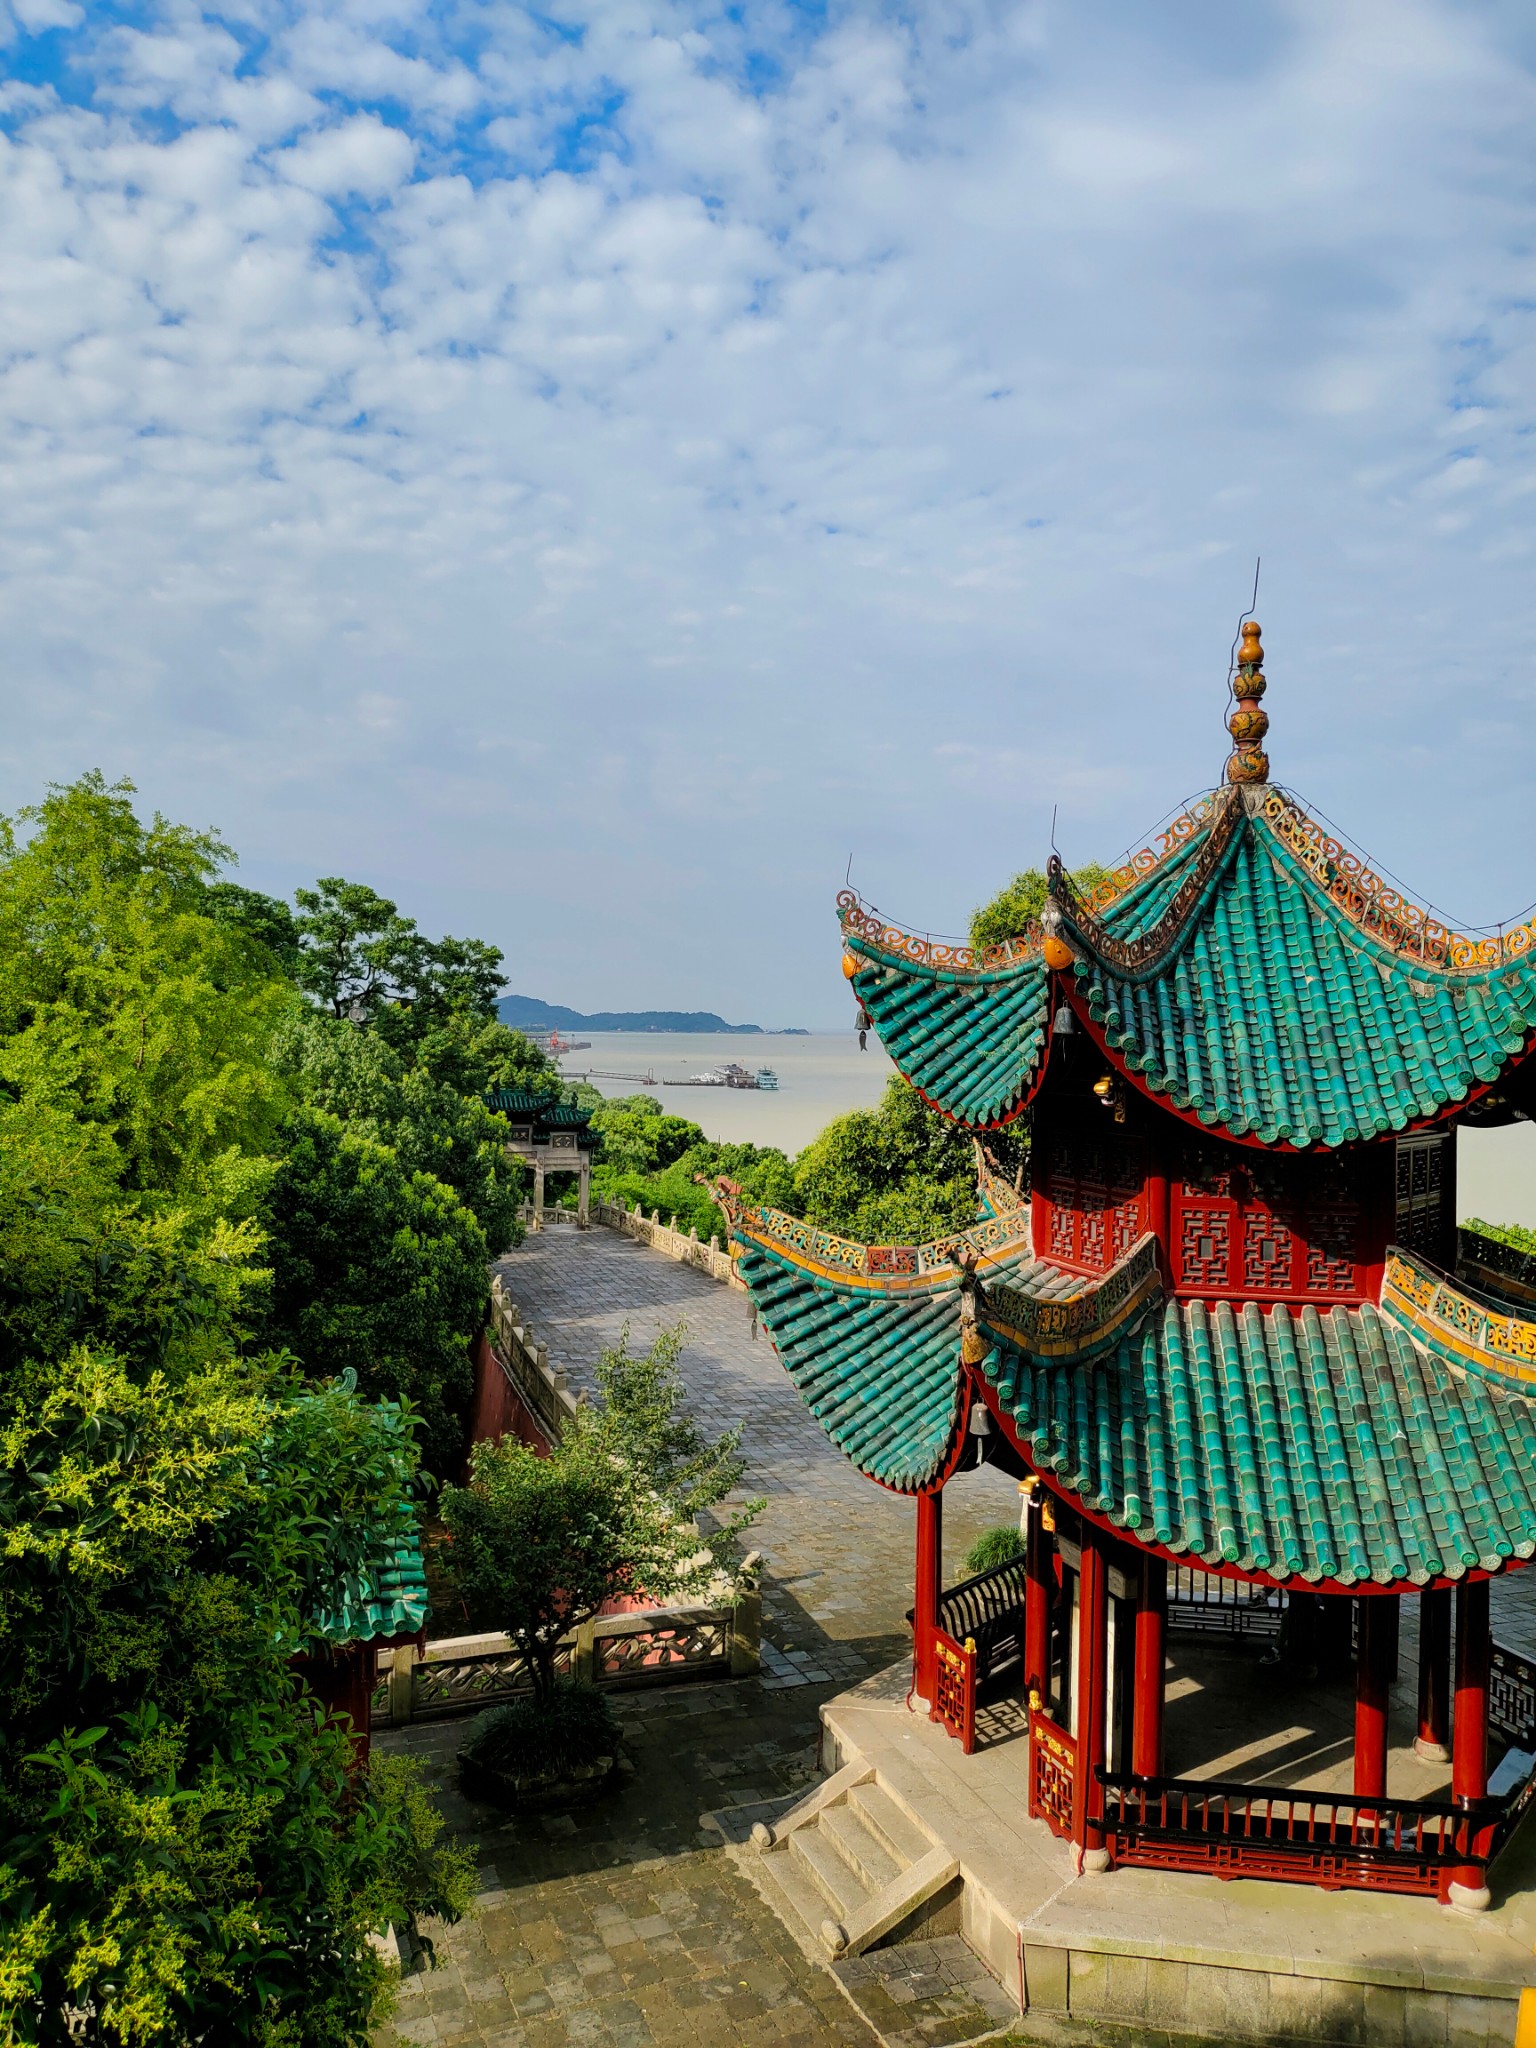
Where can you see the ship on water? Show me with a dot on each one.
(728, 1076)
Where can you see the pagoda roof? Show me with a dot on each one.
(1249, 973)
(548, 1110)
(1349, 1446)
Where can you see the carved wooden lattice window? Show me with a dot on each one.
(1205, 1249)
(1267, 1250)
(1419, 1220)
(1331, 1252)
(1097, 1209)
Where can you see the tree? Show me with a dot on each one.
(266, 920)
(1015, 907)
(545, 1541)
(898, 1174)
(181, 1856)
(356, 948)
(377, 1270)
(431, 1125)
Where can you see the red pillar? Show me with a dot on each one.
(1433, 1739)
(1469, 1729)
(1375, 1663)
(1037, 1597)
(1157, 1220)
(1092, 1666)
(1151, 1628)
(928, 1589)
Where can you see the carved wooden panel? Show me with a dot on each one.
(1419, 1210)
(1262, 1227)
(1093, 1187)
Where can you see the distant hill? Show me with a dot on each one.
(527, 1013)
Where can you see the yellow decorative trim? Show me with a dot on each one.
(1378, 908)
(1467, 1332)
(1062, 1326)
(875, 1268)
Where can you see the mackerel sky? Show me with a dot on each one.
(592, 471)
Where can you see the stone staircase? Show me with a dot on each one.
(849, 1864)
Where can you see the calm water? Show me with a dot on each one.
(819, 1078)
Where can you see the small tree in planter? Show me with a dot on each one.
(545, 1542)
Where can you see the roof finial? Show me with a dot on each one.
(1249, 720)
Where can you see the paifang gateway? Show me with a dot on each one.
(1229, 1325)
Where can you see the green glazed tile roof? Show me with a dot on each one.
(1288, 1442)
(1293, 1443)
(544, 1109)
(879, 1371)
(387, 1598)
(1281, 1002)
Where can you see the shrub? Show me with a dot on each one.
(993, 1546)
(574, 1729)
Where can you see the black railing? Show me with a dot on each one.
(1205, 1603)
(1512, 1697)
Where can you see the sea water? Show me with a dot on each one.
(819, 1078)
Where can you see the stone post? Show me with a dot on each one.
(402, 1684)
(746, 1633)
(538, 1195)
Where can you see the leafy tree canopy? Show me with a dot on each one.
(545, 1542)
(1015, 906)
(358, 954)
(897, 1174)
(179, 1855)
(374, 1269)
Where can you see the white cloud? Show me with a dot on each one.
(589, 470)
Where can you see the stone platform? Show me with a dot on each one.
(1242, 1959)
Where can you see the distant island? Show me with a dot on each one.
(527, 1013)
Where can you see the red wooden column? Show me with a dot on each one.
(1157, 1219)
(1037, 1596)
(1151, 1630)
(1469, 1729)
(928, 1588)
(1092, 1668)
(1375, 1664)
(1433, 1740)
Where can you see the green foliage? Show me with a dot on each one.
(417, 1874)
(1015, 906)
(1515, 1235)
(897, 1174)
(266, 920)
(375, 1269)
(433, 1125)
(636, 1136)
(181, 1857)
(993, 1547)
(358, 954)
(124, 1006)
(544, 1541)
(570, 1731)
(640, 1417)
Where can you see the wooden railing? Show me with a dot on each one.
(954, 1688)
(1512, 1697)
(655, 1646)
(1334, 1841)
(1052, 1772)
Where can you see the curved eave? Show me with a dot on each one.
(1289, 1447)
(1277, 1020)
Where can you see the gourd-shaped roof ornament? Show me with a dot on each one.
(1249, 721)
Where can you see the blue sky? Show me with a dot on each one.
(592, 471)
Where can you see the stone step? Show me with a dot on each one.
(860, 1848)
(891, 1825)
(840, 1885)
(793, 1895)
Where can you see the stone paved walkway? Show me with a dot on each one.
(628, 1924)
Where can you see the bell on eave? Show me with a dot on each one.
(1064, 1023)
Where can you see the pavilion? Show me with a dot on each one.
(1222, 1333)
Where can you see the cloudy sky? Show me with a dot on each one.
(593, 471)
